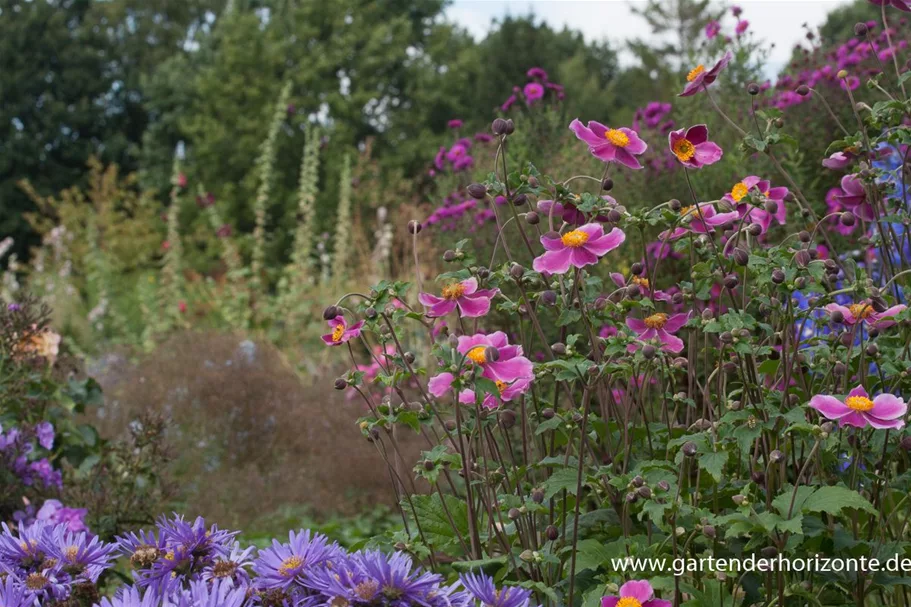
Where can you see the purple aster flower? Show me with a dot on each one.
(129, 596)
(699, 77)
(45, 433)
(902, 5)
(579, 248)
(482, 589)
(77, 554)
(232, 567)
(854, 197)
(660, 327)
(282, 565)
(536, 72)
(611, 145)
(692, 147)
(392, 580)
(52, 511)
(13, 307)
(463, 295)
(218, 594)
(741, 26)
(20, 550)
(859, 410)
(638, 593)
(341, 332)
(533, 92)
(455, 123)
(13, 593)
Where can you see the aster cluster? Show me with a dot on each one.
(24, 453)
(534, 91)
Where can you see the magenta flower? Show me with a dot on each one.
(712, 28)
(854, 197)
(901, 5)
(833, 206)
(533, 92)
(700, 222)
(464, 295)
(341, 332)
(644, 287)
(455, 123)
(536, 72)
(511, 371)
(840, 160)
(741, 26)
(610, 145)
(859, 410)
(568, 211)
(692, 147)
(660, 327)
(635, 593)
(864, 312)
(755, 214)
(699, 77)
(579, 248)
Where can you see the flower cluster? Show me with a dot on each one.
(534, 91)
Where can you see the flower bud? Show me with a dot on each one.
(516, 271)
(633, 291)
(558, 348)
(498, 126)
(644, 492)
(513, 514)
(607, 184)
(549, 298)
(769, 552)
(753, 88)
(803, 90)
(802, 258)
(664, 485)
(614, 216)
(537, 496)
(520, 200)
(754, 229)
(637, 481)
(690, 449)
(872, 350)
(776, 456)
(508, 418)
(414, 227)
(547, 413)
(731, 281)
(552, 533)
(341, 383)
(861, 29)
(675, 205)
(741, 257)
(477, 191)
(739, 499)
(708, 531)
(906, 443)
(847, 218)
(842, 74)
(637, 268)
(649, 351)
(707, 315)
(532, 218)
(631, 497)
(510, 126)
(331, 312)
(771, 206)
(449, 255)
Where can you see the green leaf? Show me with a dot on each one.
(832, 500)
(435, 525)
(713, 463)
(565, 478)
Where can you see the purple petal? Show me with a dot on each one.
(640, 590)
(554, 262)
(829, 406)
(608, 242)
(440, 385)
(672, 343)
(473, 307)
(888, 407)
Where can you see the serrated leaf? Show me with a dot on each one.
(832, 500)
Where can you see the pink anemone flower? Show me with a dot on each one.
(511, 371)
(701, 220)
(660, 327)
(635, 593)
(692, 147)
(579, 248)
(864, 312)
(859, 410)
(611, 145)
(840, 160)
(643, 284)
(902, 5)
(699, 77)
(755, 214)
(854, 197)
(341, 332)
(471, 301)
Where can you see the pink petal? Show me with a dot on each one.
(888, 406)
(854, 418)
(552, 244)
(636, 325)
(829, 406)
(697, 134)
(471, 285)
(606, 243)
(708, 152)
(640, 590)
(609, 601)
(472, 307)
(584, 133)
(444, 307)
(554, 262)
(582, 257)
(884, 424)
(672, 343)
(606, 152)
(676, 322)
(440, 385)
(636, 145)
(428, 299)
(626, 159)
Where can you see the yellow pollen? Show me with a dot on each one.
(337, 332)
(628, 601)
(656, 321)
(739, 191)
(861, 310)
(574, 239)
(35, 581)
(859, 403)
(169, 555)
(617, 137)
(366, 590)
(690, 210)
(477, 355)
(851, 149)
(290, 564)
(694, 73)
(683, 149)
(501, 385)
(71, 553)
(453, 291)
(642, 282)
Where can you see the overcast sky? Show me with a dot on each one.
(776, 21)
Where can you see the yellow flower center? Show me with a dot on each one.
(861, 310)
(656, 321)
(739, 191)
(290, 564)
(686, 211)
(477, 355)
(35, 581)
(71, 553)
(683, 149)
(366, 590)
(574, 239)
(453, 291)
(501, 385)
(859, 403)
(851, 149)
(642, 282)
(694, 73)
(617, 137)
(628, 601)
(337, 332)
